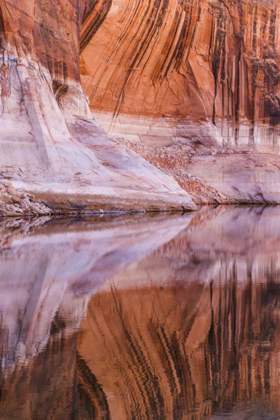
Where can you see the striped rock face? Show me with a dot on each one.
(182, 80)
(208, 59)
(50, 147)
(176, 80)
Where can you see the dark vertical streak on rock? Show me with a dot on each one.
(272, 73)
(255, 66)
(154, 24)
(160, 46)
(148, 383)
(2, 26)
(92, 396)
(93, 21)
(219, 49)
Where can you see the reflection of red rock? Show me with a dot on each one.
(193, 327)
(60, 270)
(182, 351)
(188, 313)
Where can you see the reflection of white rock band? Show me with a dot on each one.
(55, 275)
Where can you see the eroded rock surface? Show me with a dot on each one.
(176, 81)
(184, 58)
(50, 146)
(172, 72)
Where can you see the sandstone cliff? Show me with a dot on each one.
(50, 147)
(175, 81)
(199, 73)
(200, 59)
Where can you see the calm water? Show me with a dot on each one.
(163, 317)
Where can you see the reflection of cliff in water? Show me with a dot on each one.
(186, 350)
(52, 273)
(184, 324)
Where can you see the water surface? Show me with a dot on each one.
(142, 317)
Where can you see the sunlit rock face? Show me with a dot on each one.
(206, 59)
(171, 73)
(175, 81)
(50, 146)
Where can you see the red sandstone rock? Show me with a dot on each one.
(205, 59)
(202, 76)
(50, 146)
(171, 72)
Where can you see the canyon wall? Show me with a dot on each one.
(196, 59)
(178, 81)
(54, 158)
(174, 81)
